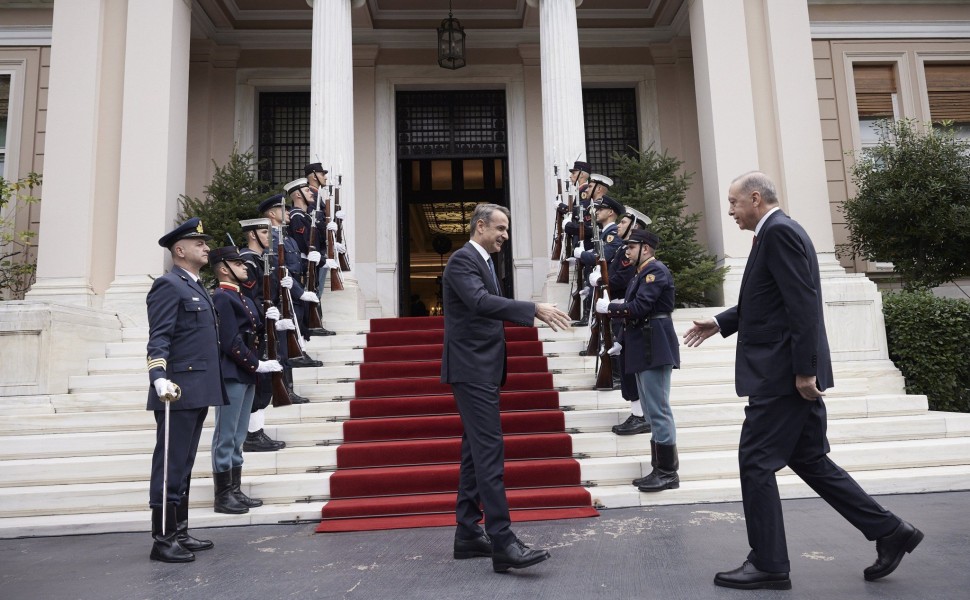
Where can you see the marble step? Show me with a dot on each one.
(697, 430)
(886, 481)
(130, 467)
(287, 488)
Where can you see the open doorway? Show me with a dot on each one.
(452, 155)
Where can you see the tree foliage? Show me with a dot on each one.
(913, 204)
(233, 195)
(17, 268)
(928, 339)
(655, 184)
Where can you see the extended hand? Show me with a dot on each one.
(552, 316)
(805, 384)
(701, 330)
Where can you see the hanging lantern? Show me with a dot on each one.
(451, 43)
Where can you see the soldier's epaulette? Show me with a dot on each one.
(157, 363)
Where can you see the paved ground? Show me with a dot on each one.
(667, 552)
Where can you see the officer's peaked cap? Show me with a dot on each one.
(189, 229)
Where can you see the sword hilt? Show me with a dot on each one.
(172, 397)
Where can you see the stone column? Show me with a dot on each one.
(726, 123)
(81, 150)
(332, 128)
(563, 125)
(153, 148)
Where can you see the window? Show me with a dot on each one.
(876, 98)
(948, 92)
(610, 115)
(284, 136)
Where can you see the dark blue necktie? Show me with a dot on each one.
(491, 269)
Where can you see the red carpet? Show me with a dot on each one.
(398, 465)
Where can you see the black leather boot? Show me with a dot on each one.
(243, 498)
(653, 464)
(288, 380)
(258, 441)
(182, 526)
(664, 477)
(166, 547)
(320, 331)
(225, 501)
(303, 361)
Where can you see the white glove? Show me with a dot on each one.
(331, 264)
(602, 306)
(616, 349)
(285, 325)
(584, 293)
(578, 251)
(340, 248)
(313, 256)
(595, 276)
(163, 386)
(273, 313)
(566, 221)
(269, 366)
(571, 260)
(332, 226)
(309, 296)
(339, 215)
(286, 282)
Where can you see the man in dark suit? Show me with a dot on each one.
(473, 361)
(183, 353)
(783, 366)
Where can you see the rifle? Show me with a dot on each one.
(604, 371)
(339, 236)
(270, 351)
(557, 233)
(315, 318)
(575, 300)
(563, 255)
(592, 345)
(336, 283)
(293, 347)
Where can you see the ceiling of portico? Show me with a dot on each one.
(287, 23)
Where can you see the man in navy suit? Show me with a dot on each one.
(183, 351)
(783, 366)
(473, 361)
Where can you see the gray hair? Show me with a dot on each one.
(483, 212)
(756, 181)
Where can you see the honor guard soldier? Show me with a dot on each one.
(240, 325)
(621, 271)
(579, 174)
(310, 242)
(183, 365)
(607, 210)
(273, 209)
(597, 187)
(257, 236)
(652, 352)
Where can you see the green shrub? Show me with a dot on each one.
(17, 266)
(928, 341)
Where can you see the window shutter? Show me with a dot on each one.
(948, 89)
(874, 89)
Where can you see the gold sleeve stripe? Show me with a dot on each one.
(158, 363)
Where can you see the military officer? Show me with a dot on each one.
(183, 355)
(652, 352)
(301, 229)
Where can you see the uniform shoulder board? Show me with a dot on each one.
(610, 238)
(650, 277)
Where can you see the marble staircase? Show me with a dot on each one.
(78, 462)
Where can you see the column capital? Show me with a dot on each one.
(353, 3)
(531, 3)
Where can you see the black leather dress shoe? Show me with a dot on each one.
(748, 577)
(634, 425)
(303, 361)
(474, 548)
(296, 398)
(258, 441)
(890, 550)
(320, 331)
(517, 556)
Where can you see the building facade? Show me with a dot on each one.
(125, 105)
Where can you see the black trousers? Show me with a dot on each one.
(185, 429)
(788, 430)
(481, 480)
